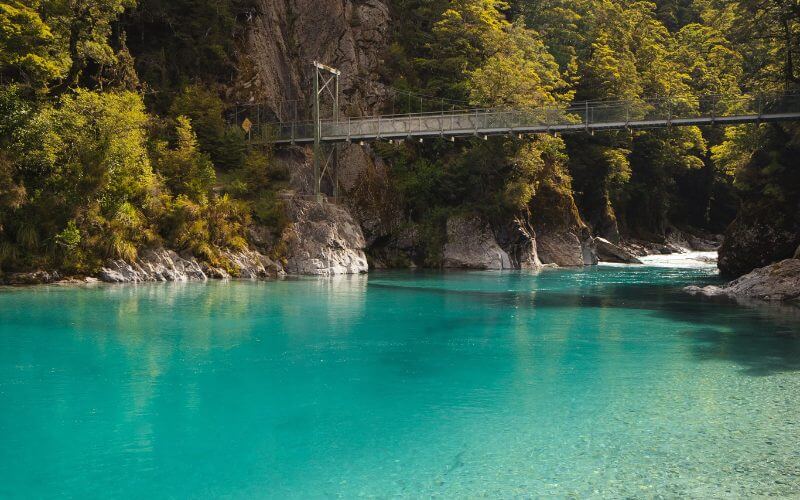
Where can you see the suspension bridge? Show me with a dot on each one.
(450, 124)
(577, 117)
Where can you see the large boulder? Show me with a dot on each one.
(695, 240)
(323, 240)
(776, 282)
(471, 245)
(518, 239)
(609, 252)
(566, 248)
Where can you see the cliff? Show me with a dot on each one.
(353, 36)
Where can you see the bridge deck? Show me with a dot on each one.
(579, 117)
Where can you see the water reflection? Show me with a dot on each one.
(445, 384)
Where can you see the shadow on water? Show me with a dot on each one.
(762, 339)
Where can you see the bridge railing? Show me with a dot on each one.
(595, 114)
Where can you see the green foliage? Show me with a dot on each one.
(205, 228)
(70, 237)
(264, 179)
(521, 74)
(78, 169)
(474, 49)
(29, 50)
(223, 143)
(86, 173)
(525, 53)
(15, 111)
(181, 42)
(185, 170)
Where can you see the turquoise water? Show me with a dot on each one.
(603, 382)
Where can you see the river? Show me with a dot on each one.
(608, 381)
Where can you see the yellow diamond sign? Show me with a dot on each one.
(247, 125)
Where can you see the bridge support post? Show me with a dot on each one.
(317, 137)
(586, 117)
(327, 75)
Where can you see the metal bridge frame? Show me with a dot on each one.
(326, 135)
(327, 75)
(579, 117)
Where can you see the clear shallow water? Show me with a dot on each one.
(603, 382)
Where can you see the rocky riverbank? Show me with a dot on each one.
(162, 265)
(779, 282)
(321, 239)
(324, 239)
(165, 265)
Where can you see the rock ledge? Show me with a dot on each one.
(161, 265)
(779, 282)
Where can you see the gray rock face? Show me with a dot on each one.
(153, 265)
(253, 265)
(33, 278)
(609, 252)
(471, 245)
(589, 251)
(641, 248)
(778, 282)
(165, 265)
(519, 241)
(683, 240)
(757, 238)
(323, 240)
(566, 249)
(284, 36)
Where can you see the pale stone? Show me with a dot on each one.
(471, 245)
(323, 240)
(160, 265)
(609, 252)
(566, 249)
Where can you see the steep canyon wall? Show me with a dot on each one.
(353, 35)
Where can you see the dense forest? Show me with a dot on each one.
(530, 53)
(113, 134)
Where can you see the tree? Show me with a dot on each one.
(30, 52)
(83, 164)
(186, 171)
(521, 74)
(224, 144)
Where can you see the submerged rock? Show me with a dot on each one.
(471, 245)
(778, 282)
(609, 252)
(323, 240)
